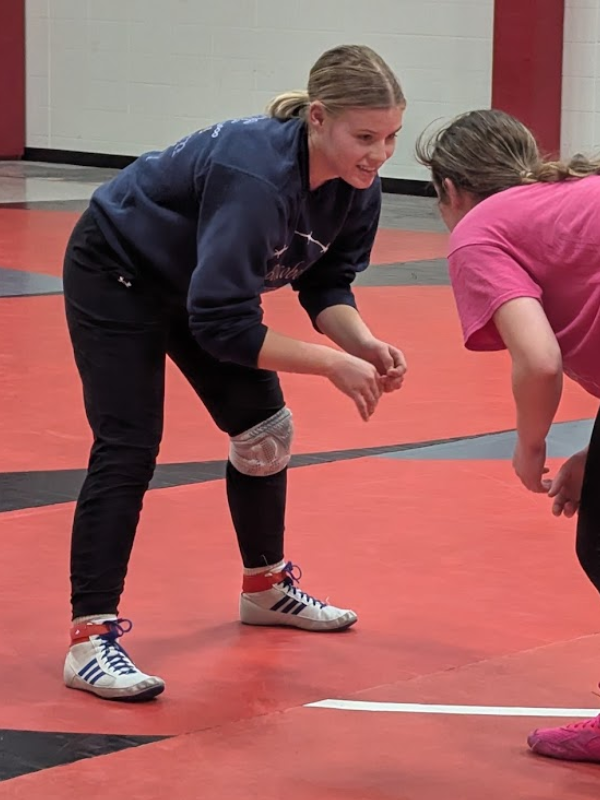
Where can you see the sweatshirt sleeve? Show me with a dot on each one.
(328, 282)
(241, 222)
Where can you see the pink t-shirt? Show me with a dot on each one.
(541, 241)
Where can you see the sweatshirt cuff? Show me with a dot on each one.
(243, 348)
(314, 303)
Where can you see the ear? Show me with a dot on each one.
(452, 194)
(457, 199)
(316, 114)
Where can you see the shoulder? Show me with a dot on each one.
(268, 148)
(486, 222)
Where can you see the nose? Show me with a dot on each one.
(381, 151)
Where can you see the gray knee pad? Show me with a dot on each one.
(265, 448)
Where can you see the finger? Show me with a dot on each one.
(396, 372)
(367, 397)
(375, 386)
(387, 359)
(392, 386)
(371, 401)
(563, 504)
(556, 486)
(391, 381)
(566, 507)
(538, 488)
(535, 485)
(362, 408)
(398, 357)
(557, 509)
(558, 504)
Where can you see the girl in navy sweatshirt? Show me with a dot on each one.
(171, 259)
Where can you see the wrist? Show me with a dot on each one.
(533, 444)
(360, 343)
(329, 361)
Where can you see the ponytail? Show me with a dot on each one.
(554, 171)
(289, 105)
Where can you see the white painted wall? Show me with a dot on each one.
(581, 78)
(126, 76)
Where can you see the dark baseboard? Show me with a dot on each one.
(77, 159)
(112, 161)
(405, 186)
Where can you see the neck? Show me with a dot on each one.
(318, 169)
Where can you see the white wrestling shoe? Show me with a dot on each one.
(272, 598)
(97, 663)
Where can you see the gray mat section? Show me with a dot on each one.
(14, 283)
(417, 273)
(46, 205)
(62, 172)
(403, 212)
(433, 272)
(565, 438)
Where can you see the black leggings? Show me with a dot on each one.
(588, 521)
(121, 335)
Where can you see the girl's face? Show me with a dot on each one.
(352, 145)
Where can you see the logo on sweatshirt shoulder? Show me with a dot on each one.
(213, 130)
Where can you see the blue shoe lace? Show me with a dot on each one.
(115, 655)
(291, 578)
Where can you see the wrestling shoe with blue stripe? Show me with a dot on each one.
(98, 664)
(273, 598)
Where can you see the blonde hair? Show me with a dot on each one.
(348, 76)
(484, 152)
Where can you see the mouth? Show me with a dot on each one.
(368, 170)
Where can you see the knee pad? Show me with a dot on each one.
(265, 448)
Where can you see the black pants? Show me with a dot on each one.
(121, 335)
(588, 521)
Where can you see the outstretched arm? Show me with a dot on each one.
(325, 291)
(536, 382)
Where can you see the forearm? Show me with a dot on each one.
(344, 326)
(537, 393)
(284, 354)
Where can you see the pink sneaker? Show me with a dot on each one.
(579, 741)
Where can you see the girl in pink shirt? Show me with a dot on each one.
(525, 270)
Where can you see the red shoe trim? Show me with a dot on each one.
(262, 581)
(82, 632)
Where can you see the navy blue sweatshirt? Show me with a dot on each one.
(227, 214)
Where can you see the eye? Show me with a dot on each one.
(364, 137)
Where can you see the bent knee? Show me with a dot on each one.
(264, 449)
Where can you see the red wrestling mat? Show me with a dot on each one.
(448, 392)
(397, 245)
(35, 241)
(306, 753)
(481, 572)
